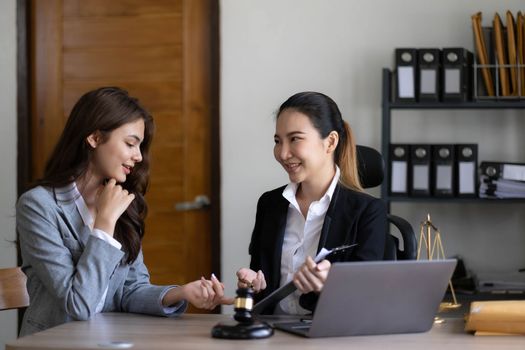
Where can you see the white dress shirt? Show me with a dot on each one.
(301, 239)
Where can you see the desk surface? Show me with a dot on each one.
(192, 331)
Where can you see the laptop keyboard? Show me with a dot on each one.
(303, 324)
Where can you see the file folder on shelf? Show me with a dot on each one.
(406, 78)
(420, 170)
(443, 170)
(503, 170)
(520, 24)
(511, 49)
(466, 170)
(500, 188)
(482, 54)
(501, 57)
(429, 74)
(399, 169)
(457, 74)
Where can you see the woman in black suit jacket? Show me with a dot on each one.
(323, 206)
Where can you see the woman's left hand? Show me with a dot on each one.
(203, 294)
(311, 276)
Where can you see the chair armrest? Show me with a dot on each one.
(409, 238)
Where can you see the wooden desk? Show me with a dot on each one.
(192, 331)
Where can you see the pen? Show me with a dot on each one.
(285, 290)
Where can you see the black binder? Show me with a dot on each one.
(399, 155)
(420, 170)
(406, 74)
(429, 74)
(457, 74)
(466, 170)
(492, 170)
(443, 172)
(503, 170)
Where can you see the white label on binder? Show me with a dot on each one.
(428, 81)
(399, 177)
(514, 172)
(405, 76)
(452, 79)
(420, 180)
(466, 177)
(444, 177)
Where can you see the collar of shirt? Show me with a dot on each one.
(82, 207)
(318, 207)
(71, 193)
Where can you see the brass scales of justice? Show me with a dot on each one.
(434, 250)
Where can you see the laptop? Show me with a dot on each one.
(376, 297)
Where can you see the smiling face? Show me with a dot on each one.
(116, 156)
(301, 151)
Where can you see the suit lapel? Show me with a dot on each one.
(280, 215)
(328, 229)
(72, 218)
(339, 220)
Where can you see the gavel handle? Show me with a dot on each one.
(275, 297)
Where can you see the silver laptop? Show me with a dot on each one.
(377, 297)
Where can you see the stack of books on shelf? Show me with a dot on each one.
(502, 180)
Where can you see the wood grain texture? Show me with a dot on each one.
(47, 117)
(141, 32)
(194, 332)
(98, 8)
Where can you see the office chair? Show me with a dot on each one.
(371, 167)
(13, 292)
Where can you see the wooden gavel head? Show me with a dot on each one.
(243, 305)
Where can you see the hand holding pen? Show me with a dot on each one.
(288, 288)
(311, 276)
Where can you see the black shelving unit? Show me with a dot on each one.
(388, 105)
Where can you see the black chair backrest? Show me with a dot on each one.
(371, 168)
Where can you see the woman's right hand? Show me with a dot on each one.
(112, 201)
(247, 278)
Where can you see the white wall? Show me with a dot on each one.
(273, 48)
(7, 152)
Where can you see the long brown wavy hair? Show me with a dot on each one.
(104, 110)
(326, 117)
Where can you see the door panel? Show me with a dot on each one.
(165, 53)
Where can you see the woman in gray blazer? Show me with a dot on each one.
(81, 227)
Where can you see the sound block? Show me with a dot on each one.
(253, 330)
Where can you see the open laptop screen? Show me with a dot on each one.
(378, 297)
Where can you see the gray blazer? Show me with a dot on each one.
(68, 269)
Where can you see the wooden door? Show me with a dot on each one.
(165, 52)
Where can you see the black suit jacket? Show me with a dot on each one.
(352, 217)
